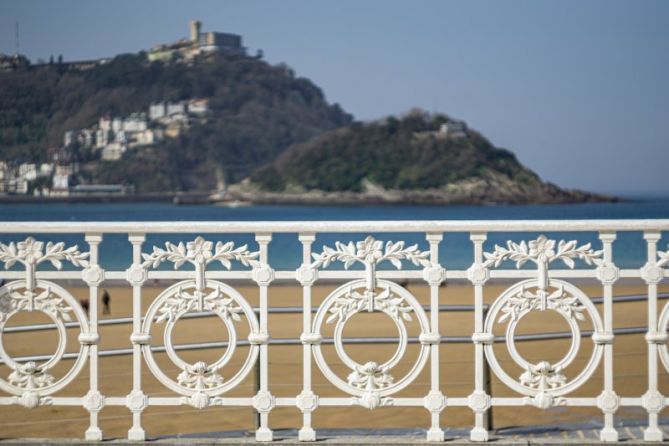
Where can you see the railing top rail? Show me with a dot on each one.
(335, 226)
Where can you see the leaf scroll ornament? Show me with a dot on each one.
(200, 252)
(542, 251)
(371, 251)
(663, 257)
(31, 252)
(29, 300)
(183, 302)
(526, 299)
(353, 301)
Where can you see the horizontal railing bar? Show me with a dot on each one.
(289, 275)
(298, 310)
(201, 314)
(335, 226)
(358, 341)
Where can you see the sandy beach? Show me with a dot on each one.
(286, 370)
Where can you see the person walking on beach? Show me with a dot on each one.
(106, 301)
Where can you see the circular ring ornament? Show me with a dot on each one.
(181, 298)
(519, 300)
(394, 301)
(57, 304)
(664, 328)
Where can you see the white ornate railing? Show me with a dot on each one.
(543, 287)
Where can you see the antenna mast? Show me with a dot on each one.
(17, 37)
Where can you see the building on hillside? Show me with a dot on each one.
(69, 137)
(143, 138)
(198, 106)
(105, 123)
(11, 63)
(113, 151)
(174, 128)
(168, 112)
(102, 138)
(175, 108)
(86, 137)
(59, 155)
(5, 176)
(116, 125)
(83, 65)
(103, 135)
(28, 172)
(198, 42)
(453, 129)
(136, 122)
(61, 180)
(45, 169)
(215, 41)
(101, 189)
(157, 111)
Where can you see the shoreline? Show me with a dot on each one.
(176, 198)
(312, 198)
(438, 197)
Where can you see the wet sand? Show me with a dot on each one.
(456, 375)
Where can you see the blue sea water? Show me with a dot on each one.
(285, 250)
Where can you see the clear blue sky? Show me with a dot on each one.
(579, 90)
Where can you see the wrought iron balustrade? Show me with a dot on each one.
(542, 274)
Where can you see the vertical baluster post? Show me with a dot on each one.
(137, 401)
(608, 401)
(307, 401)
(435, 401)
(479, 400)
(263, 401)
(93, 275)
(653, 400)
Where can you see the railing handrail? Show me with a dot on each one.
(170, 227)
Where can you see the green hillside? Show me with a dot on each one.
(256, 111)
(262, 124)
(415, 158)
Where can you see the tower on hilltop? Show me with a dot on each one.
(195, 26)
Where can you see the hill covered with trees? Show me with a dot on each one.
(256, 110)
(270, 135)
(418, 158)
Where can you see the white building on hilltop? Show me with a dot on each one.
(454, 129)
(198, 43)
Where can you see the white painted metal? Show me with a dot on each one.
(228, 227)
(541, 384)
